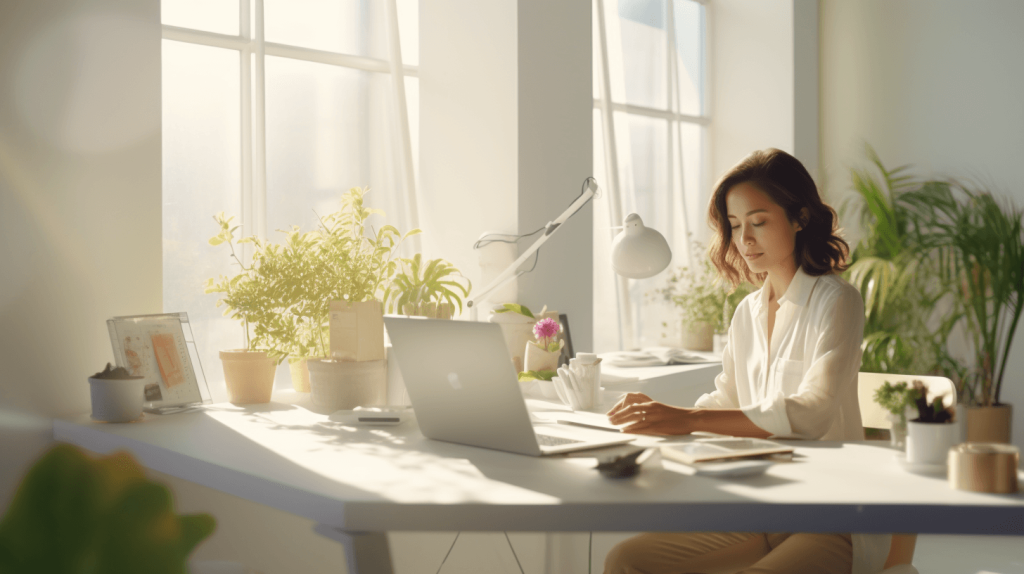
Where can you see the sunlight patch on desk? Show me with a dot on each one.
(362, 456)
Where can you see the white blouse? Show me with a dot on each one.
(805, 385)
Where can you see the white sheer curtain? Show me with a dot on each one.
(271, 110)
(650, 123)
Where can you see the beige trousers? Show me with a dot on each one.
(724, 552)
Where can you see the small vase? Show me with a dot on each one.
(989, 424)
(898, 435)
(698, 337)
(538, 359)
(249, 376)
(300, 375)
(116, 400)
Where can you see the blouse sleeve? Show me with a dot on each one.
(834, 363)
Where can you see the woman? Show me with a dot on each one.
(789, 367)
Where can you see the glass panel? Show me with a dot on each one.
(409, 31)
(219, 16)
(345, 26)
(690, 65)
(328, 129)
(643, 46)
(412, 101)
(201, 177)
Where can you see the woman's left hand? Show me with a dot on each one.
(653, 418)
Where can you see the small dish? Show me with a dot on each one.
(919, 467)
(733, 469)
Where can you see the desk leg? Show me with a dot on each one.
(365, 552)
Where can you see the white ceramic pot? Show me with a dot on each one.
(338, 385)
(116, 400)
(538, 359)
(249, 376)
(929, 443)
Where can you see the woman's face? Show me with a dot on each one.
(761, 232)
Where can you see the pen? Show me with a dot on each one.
(589, 426)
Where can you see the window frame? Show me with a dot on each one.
(608, 106)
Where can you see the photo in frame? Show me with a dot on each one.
(563, 334)
(161, 349)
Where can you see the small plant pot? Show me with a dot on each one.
(989, 424)
(249, 376)
(116, 400)
(929, 443)
(538, 359)
(300, 374)
(698, 337)
(338, 385)
(898, 435)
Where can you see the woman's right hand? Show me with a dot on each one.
(627, 400)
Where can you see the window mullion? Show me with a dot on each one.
(259, 115)
(402, 114)
(245, 77)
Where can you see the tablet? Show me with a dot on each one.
(703, 450)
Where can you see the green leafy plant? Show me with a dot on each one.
(419, 289)
(907, 306)
(515, 308)
(701, 296)
(74, 514)
(979, 242)
(526, 376)
(283, 295)
(896, 398)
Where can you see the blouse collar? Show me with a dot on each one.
(798, 292)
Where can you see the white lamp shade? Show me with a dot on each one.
(639, 252)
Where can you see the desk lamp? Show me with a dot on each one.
(637, 253)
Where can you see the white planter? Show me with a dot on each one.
(698, 337)
(538, 359)
(929, 443)
(338, 385)
(116, 400)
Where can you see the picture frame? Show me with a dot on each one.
(565, 335)
(161, 348)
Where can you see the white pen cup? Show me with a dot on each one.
(587, 369)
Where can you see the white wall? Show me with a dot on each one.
(933, 83)
(79, 203)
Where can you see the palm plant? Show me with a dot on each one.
(903, 333)
(980, 246)
(420, 287)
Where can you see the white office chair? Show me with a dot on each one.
(872, 415)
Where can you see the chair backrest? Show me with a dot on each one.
(874, 416)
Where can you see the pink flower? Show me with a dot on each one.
(545, 328)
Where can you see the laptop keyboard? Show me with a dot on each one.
(548, 440)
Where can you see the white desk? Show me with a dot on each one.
(357, 480)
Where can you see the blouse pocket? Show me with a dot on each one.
(788, 376)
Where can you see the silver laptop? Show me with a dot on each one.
(465, 390)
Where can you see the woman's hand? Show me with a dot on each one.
(647, 416)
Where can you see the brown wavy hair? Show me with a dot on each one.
(819, 249)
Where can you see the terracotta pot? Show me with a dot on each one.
(698, 337)
(249, 376)
(300, 374)
(989, 424)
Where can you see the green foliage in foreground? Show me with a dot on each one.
(77, 515)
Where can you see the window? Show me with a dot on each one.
(650, 133)
(272, 109)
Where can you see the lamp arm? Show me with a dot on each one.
(509, 272)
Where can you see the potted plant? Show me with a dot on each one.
(543, 354)
(116, 395)
(251, 297)
(931, 434)
(705, 304)
(906, 303)
(980, 242)
(284, 295)
(897, 399)
(434, 289)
